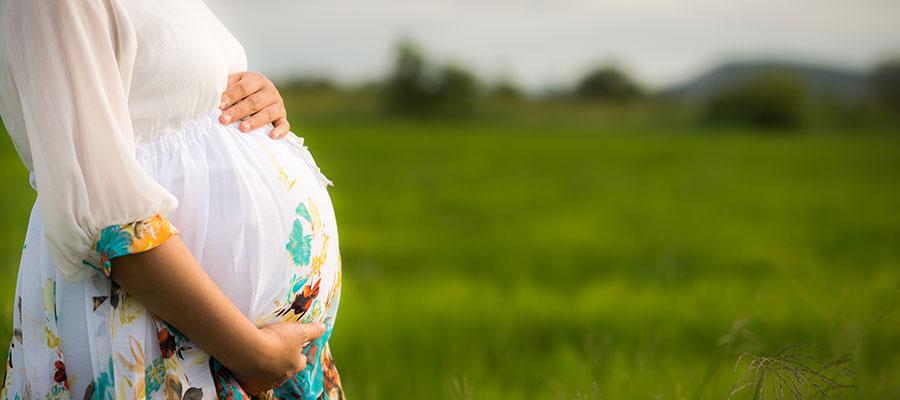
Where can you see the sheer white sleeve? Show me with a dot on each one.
(70, 74)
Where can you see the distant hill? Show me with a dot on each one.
(820, 80)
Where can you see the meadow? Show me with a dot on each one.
(560, 251)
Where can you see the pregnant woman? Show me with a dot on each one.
(175, 250)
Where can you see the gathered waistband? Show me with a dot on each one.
(205, 127)
(206, 122)
(201, 128)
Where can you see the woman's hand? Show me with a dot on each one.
(279, 355)
(253, 98)
(171, 284)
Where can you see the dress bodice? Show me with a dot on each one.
(180, 56)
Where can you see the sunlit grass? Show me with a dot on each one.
(576, 251)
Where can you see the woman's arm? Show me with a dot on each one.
(64, 75)
(170, 283)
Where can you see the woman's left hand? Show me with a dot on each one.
(253, 99)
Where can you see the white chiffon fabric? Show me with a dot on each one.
(111, 105)
(82, 81)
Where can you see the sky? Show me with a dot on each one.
(547, 43)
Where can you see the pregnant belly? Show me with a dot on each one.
(255, 213)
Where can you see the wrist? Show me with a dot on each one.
(262, 351)
(251, 352)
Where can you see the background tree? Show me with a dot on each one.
(768, 101)
(885, 82)
(406, 89)
(607, 83)
(415, 86)
(505, 87)
(456, 90)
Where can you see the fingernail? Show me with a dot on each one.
(245, 126)
(273, 135)
(222, 104)
(226, 118)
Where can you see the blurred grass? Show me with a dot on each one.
(570, 251)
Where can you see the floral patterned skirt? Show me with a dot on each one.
(255, 212)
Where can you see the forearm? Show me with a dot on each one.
(170, 283)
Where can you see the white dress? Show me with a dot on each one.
(112, 107)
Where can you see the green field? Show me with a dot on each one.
(588, 252)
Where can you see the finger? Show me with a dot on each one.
(248, 106)
(245, 86)
(282, 381)
(309, 332)
(232, 79)
(282, 127)
(302, 362)
(264, 116)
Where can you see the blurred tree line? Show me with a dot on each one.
(786, 99)
(416, 86)
(774, 100)
(771, 98)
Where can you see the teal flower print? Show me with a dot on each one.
(154, 377)
(101, 388)
(113, 242)
(299, 244)
(303, 212)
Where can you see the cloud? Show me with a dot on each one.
(541, 42)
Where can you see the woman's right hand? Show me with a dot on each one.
(170, 282)
(279, 356)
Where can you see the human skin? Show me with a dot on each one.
(253, 98)
(171, 283)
